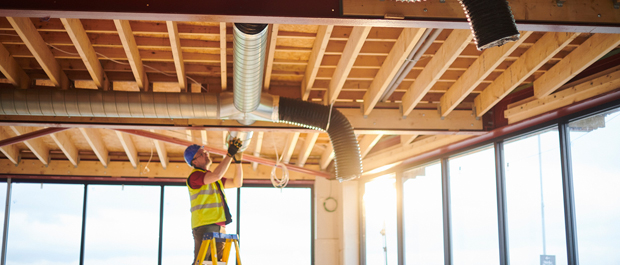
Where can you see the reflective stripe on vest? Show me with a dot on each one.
(207, 206)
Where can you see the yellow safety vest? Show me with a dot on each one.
(207, 205)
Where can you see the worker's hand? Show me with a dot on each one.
(237, 158)
(233, 146)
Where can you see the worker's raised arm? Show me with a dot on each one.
(237, 181)
(218, 172)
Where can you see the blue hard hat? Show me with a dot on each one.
(190, 152)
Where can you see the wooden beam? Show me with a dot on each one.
(399, 153)
(574, 63)
(10, 151)
(407, 139)
(223, 60)
(93, 137)
(11, 69)
(535, 57)
(37, 46)
(133, 55)
(306, 148)
(289, 148)
(585, 90)
(347, 59)
(271, 51)
(394, 61)
(177, 54)
(66, 145)
(196, 88)
(476, 73)
(162, 152)
(129, 147)
(178, 170)
(37, 146)
(368, 142)
(418, 120)
(327, 156)
(456, 42)
(314, 62)
(82, 44)
(259, 144)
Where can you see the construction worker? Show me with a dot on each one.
(209, 209)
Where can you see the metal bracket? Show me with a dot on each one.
(473, 113)
(559, 3)
(400, 109)
(77, 161)
(616, 4)
(439, 112)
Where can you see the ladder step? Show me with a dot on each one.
(209, 263)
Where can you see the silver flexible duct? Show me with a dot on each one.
(250, 45)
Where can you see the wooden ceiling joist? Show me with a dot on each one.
(129, 147)
(37, 46)
(258, 138)
(456, 42)
(476, 73)
(368, 142)
(10, 151)
(535, 57)
(574, 63)
(351, 50)
(67, 147)
(82, 44)
(394, 61)
(11, 69)
(326, 157)
(306, 148)
(223, 62)
(271, 51)
(93, 137)
(133, 54)
(162, 152)
(407, 139)
(289, 147)
(318, 50)
(37, 146)
(177, 53)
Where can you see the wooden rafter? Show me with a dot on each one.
(259, 143)
(82, 44)
(223, 60)
(10, 151)
(476, 73)
(131, 50)
(177, 54)
(162, 152)
(318, 50)
(306, 148)
(436, 67)
(327, 156)
(11, 69)
(394, 61)
(37, 146)
(407, 139)
(582, 91)
(351, 50)
(36, 45)
(368, 142)
(535, 57)
(66, 145)
(574, 63)
(129, 147)
(289, 148)
(271, 51)
(93, 137)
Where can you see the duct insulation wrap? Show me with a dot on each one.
(491, 21)
(250, 45)
(347, 156)
(96, 103)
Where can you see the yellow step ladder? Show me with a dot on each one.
(209, 239)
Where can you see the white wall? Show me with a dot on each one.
(336, 240)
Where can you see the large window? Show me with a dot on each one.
(177, 243)
(380, 221)
(276, 226)
(474, 208)
(122, 225)
(595, 147)
(423, 224)
(534, 199)
(45, 224)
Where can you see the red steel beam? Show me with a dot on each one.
(31, 135)
(249, 158)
